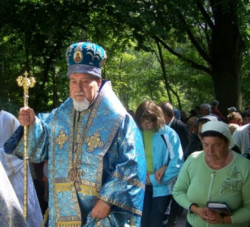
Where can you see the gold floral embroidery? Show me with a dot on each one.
(61, 139)
(94, 141)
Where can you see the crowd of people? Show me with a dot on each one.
(102, 165)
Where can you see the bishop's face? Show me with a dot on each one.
(83, 86)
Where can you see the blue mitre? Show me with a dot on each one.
(85, 57)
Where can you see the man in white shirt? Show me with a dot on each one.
(8, 124)
(241, 139)
(12, 184)
(11, 194)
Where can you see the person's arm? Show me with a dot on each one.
(176, 159)
(26, 116)
(159, 174)
(242, 215)
(37, 137)
(181, 187)
(236, 138)
(125, 170)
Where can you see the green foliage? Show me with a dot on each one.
(136, 77)
(208, 35)
(34, 35)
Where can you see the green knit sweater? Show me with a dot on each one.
(198, 183)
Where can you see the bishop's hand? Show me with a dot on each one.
(26, 116)
(101, 209)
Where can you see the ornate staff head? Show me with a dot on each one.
(26, 83)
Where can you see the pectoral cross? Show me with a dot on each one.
(26, 83)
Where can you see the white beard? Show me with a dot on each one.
(81, 106)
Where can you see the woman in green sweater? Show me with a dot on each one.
(216, 175)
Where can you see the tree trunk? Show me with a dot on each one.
(227, 90)
(226, 55)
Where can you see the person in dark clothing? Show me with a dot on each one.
(182, 130)
(194, 140)
(216, 111)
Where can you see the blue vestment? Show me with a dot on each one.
(96, 154)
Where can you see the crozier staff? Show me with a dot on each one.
(95, 153)
(26, 83)
(215, 174)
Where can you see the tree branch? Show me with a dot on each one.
(190, 62)
(163, 70)
(205, 15)
(196, 44)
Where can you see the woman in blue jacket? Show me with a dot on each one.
(164, 158)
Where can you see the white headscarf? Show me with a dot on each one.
(220, 127)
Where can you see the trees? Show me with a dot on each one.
(216, 30)
(34, 35)
(208, 36)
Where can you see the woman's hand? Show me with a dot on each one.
(205, 214)
(220, 219)
(159, 173)
(148, 182)
(210, 216)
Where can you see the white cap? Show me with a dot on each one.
(220, 127)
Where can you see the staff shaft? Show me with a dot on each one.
(25, 161)
(26, 83)
(25, 172)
